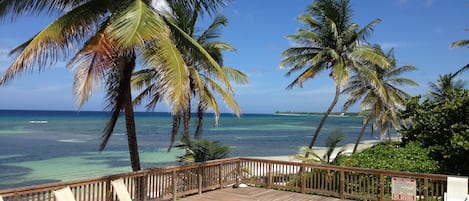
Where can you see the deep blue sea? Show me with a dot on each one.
(39, 147)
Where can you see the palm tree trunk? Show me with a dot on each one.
(323, 120)
(132, 137)
(187, 119)
(360, 135)
(200, 118)
(130, 117)
(130, 125)
(174, 131)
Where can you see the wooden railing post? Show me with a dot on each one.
(174, 185)
(381, 187)
(303, 177)
(143, 183)
(425, 188)
(220, 176)
(199, 179)
(342, 184)
(108, 190)
(16, 197)
(238, 173)
(270, 175)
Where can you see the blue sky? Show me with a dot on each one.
(421, 32)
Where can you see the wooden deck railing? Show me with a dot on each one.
(173, 182)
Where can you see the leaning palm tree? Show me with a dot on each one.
(114, 35)
(330, 42)
(203, 86)
(379, 107)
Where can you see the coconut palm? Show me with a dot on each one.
(330, 42)
(445, 84)
(378, 107)
(201, 73)
(111, 35)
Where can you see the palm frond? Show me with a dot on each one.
(460, 43)
(135, 25)
(340, 72)
(92, 61)
(117, 84)
(306, 38)
(196, 46)
(212, 30)
(235, 75)
(12, 8)
(54, 42)
(309, 73)
(175, 74)
(369, 54)
(226, 96)
(399, 70)
(206, 6)
(366, 31)
(309, 21)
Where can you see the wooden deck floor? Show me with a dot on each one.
(254, 194)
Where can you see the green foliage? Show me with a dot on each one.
(443, 126)
(203, 150)
(308, 155)
(393, 156)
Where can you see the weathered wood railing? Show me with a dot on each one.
(172, 182)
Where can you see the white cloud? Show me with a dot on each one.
(161, 6)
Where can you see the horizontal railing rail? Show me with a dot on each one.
(178, 181)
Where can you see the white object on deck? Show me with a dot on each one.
(121, 190)
(1, 199)
(456, 189)
(64, 194)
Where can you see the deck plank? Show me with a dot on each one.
(255, 194)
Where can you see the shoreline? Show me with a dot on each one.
(322, 150)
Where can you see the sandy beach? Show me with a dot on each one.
(322, 150)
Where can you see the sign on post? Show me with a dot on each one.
(404, 189)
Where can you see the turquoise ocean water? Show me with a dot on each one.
(38, 147)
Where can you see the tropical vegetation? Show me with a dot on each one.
(379, 108)
(111, 36)
(308, 155)
(203, 85)
(331, 42)
(411, 157)
(446, 84)
(442, 126)
(202, 150)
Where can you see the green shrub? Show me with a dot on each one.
(443, 126)
(393, 156)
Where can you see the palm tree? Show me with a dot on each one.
(377, 106)
(330, 42)
(203, 150)
(445, 84)
(114, 35)
(308, 155)
(201, 73)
